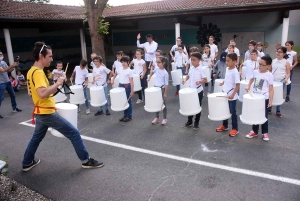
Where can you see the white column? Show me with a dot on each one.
(83, 45)
(285, 30)
(9, 49)
(177, 31)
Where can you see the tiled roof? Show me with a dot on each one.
(49, 11)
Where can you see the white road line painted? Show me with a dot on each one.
(25, 123)
(189, 160)
(198, 162)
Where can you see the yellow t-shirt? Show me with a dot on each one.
(40, 80)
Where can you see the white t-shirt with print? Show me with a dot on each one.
(213, 49)
(207, 61)
(57, 74)
(81, 74)
(175, 49)
(279, 69)
(20, 77)
(162, 77)
(100, 75)
(232, 77)
(196, 74)
(250, 67)
(138, 66)
(262, 81)
(117, 65)
(291, 55)
(125, 75)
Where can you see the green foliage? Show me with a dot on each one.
(103, 26)
(107, 6)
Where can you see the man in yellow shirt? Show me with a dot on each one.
(45, 111)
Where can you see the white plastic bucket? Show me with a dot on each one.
(116, 82)
(189, 102)
(151, 81)
(176, 75)
(118, 99)
(97, 94)
(253, 109)
(278, 93)
(207, 71)
(67, 111)
(153, 99)
(217, 87)
(218, 107)
(185, 85)
(60, 97)
(242, 90)
(174, 66)
(78, 96)
(90, 80)
(137, 83)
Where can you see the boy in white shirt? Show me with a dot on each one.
(231, 86)
(213, 47)
(250, 65)
(263, 84)
(251, 46)
(259, 47)
(117, 64)
(180, 60)
(175, 48)
(154, 63)
(93, 55)
(100, 73)
(236, 50)
(82, 79)
(189, 64)
(197, 78)
(293, 60)
(58, 72)
(126, 81)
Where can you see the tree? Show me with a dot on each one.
(97, 26)
(35, 1)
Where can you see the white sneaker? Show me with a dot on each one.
(208, 94)
(87, 111)
(139, 101)
(155, 120)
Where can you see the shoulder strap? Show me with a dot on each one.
(32, 77)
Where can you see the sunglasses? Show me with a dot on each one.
(42, 48)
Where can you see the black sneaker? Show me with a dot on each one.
(122, 119)
(196, 127)
(287, 98)
(34, 163)
(187, 125)
(107, 112)
(278, 114)
(17, 110)
(1, 117)
(127, 119)
(92, 163)
(98, 113)
(269, 111)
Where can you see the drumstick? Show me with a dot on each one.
(250, 93)
(127, 101)
(71, 82)
(66, 69)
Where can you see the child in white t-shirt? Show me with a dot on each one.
(81, 78)
(21, 79)
(251, 65)
(263, 84)
(197, 78)
(117, 64)
(141, 70)
(100, 73)
(260, 47)
(208, 60)
(293, 60)
(58, 72)
(126, 81)
(175, 48)
(189, 65)
(251, 46)
(231, 86)
(154, 63)
(235, 50)
(180, 60)
(161, 81)
(92, 64)
(213, 47)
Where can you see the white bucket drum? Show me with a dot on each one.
(174, 66)
(218, 108)
(217, 87)
(137, 83)
(253, 109)
(97, 95)
(116, 82)
(90, 79)
(153, 99)
(185, 85)
(78, 96)
(60, 97)
(278, 93)
(118, 99)
(189, 102)
(244, 73)
(152, 80)
(207, 71)
(242, 90)
(176, 75)
(67, 111)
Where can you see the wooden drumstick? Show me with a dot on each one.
(127, 101)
